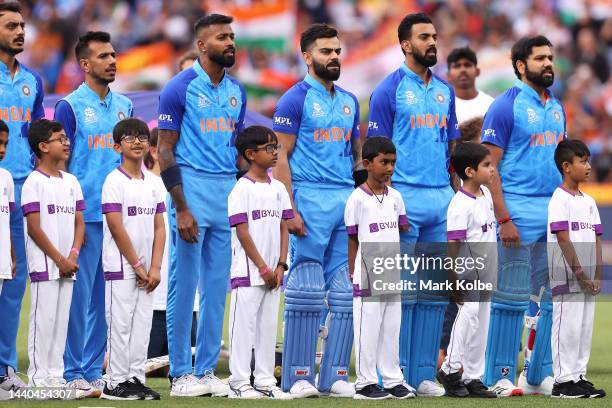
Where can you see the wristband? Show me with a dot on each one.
(264, 270)
(283, 265)
(75, 251)
(171, 177)
(137, 264)
(504, 220)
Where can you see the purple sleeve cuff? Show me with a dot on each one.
(351, 229)
(111, 207)
(598, 229)
(559, 226)
(288, 214)
(238, 219)
(80, 205)
(11, 207)
(161, 208)
(403, 220)
(456, 234)
(30, 208)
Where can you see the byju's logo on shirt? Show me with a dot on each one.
(379, 226)
(577, 226)
(134, 211)
(317, 111)
(60, 209)
(257, 214)
(5, 209)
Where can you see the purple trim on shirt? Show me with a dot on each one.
(113, 275)
(80, 205)
(30, 208)
(288, 214)
(403, 220)
(238, 219)
(161, 208)
(466, 193)
(111, 207)
(269, 180)
(569, 192)
(561, 289)
(456, 234)
(127, 175)
(43, 173)
(352, 229)
(360, 292)
(39, 276)
(11, 206)
(364, 189)
(240, 282)
(598, 229)
(559, 226)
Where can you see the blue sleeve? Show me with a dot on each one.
(172, 105)
(356, 131)
(382, 111)
(499, 121)
(240, 123)
(65, 115)
(565, 135)
(288, 113)
(38, 110)
(452, 128)
(131, 109)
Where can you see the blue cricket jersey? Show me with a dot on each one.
(528, 132)
(21, 102)
(420, 119)
(89, 122)
(207, 118)
(324, 127)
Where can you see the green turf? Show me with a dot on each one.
(600, 372)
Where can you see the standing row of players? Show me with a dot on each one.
(316, 123)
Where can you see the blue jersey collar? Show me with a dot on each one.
(531, 92)
(202, 74)
(411, 74)
(88, 92)
(316, 84)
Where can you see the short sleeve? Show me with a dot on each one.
(453, 127)
(457, 221)
(241, 116)
(80, 201)
(285, 203)
(356, 133)
(172, 106)
(351, 212)
(112, 196)
(382, 111)
(402, 218)
(288, 112)
(30, 196)
(558, 214)
(596, 220)
(237, 205)
(10, 186)
(499, 121)
(38, 110)
(65, 115)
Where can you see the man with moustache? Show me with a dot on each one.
(21, 97)
(88, 116)
(200, 111)
(317, 125)
(522, 129)
(416, 109)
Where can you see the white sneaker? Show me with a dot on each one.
(342, 389)
(274, 392)
(245, 391)
(429, 388)
(156, 363)
(214, 385)
(187, 385)
(505, 388)
(545, 388)
(303, 389)
(83, 389)
(98, 384)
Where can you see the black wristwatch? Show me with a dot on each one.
(284, 265)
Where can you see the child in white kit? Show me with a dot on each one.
(52, 203)
(134, 236)
(574, 265)
(258, 208)
(471, 235)
(375, 213)
(7, 206)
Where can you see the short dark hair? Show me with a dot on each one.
(148, 161)
(375, 146)
(404, 30)
(460, 53)
(12, 6)
(567, 150)
(314, 32)
(40, 131)
(81, 50)
(211, 19)
(252, 137)
(4, 127)
(131, 127)
(521, 50)
(471, 129)
(468, 154)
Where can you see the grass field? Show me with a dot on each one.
(600, 372)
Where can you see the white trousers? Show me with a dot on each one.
(468, 341)
(253, 324)
(572, 332)
(129, 314)
(49, 312)
(376, 325)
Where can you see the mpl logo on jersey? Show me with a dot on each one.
(164, 118)
(335, 134)
(282, 121)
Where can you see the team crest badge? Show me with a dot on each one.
(411, 98)
(121, 115)
(440, 98)
(557, 116)
(347, 110)
(26, 90)
(233, 101)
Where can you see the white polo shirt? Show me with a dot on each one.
(7, 205)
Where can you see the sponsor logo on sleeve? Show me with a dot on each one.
(372, 125)
(165, 118)
(489, 133)
(280, 120)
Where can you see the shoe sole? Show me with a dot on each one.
(187, 394)
(563, 396)
(364, 397)
(513, 393)
(113, 398)
(404, 397)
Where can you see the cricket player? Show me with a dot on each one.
(317, 124)
(21, 97)
(88, 115)
(200, 111)
(521, 130)
(416, 109)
